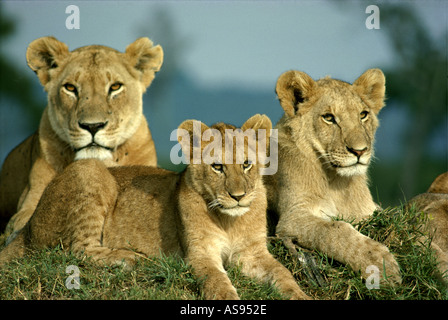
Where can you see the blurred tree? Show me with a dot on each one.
(13, 83)
(419, 80)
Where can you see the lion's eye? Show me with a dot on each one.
(328, 117)
(247, 165)
(115, 87)
(364, 115)
(217, 167)
(71, 88)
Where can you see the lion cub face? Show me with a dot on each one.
(228, 186)
(339, 120)
(94, 92)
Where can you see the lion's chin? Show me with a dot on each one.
(235, 211)
(350, 171)
(94, 152)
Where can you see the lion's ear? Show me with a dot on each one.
(45, 54)
(146, 58)
(372, 86)
(294, 88)
(189, 135)
(258, 121)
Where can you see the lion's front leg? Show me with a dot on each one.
(93, 194)
(111, 256)
(40, 176)
(217, 285)
(342, 242)
(205, 258)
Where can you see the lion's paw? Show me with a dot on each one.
(376, 258)
(220, 293)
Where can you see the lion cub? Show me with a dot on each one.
(210, 214)
(326, 139)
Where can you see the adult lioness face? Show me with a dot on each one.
(94, 92)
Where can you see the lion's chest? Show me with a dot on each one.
(348, 203)
(228, 246)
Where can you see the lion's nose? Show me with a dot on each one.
(236, 196)
(357, 152)
(92, 127)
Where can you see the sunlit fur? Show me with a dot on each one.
(434, 204)
(326, 140)
(80, 87)
(115, 215)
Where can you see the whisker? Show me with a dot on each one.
(214, 204)
(325, 157)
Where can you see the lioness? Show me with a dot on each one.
(434, 203)
(325, 146)
(211, 214)
(94, 111)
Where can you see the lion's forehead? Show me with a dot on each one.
(342, 97)
(94, 62)
(96, 54)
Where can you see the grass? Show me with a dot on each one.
(42, 276)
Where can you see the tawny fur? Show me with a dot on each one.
(92, 70)
(434, 203)
(115, 214)
(326, 139)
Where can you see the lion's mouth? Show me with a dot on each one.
(351, 169)
(338, 166)
(237, 210)
(334, 165)
(93, 145)
(93, 150)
